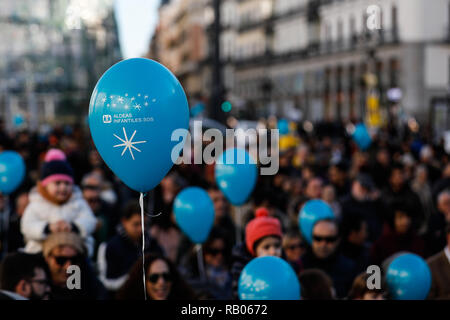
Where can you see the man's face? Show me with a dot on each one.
(314, 188)
(359, 192)
(397, 178)
(324, 239)
(40, 289)
(91, 193)
(220, 203)
(133, 227)
(59, 259)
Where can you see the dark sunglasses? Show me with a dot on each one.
(61, 260)
(154, 277)
(91, 187)
(295, 246)
(214, 252)
(326, 239)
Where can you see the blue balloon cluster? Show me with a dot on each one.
(236, 174)
(362, 137)
(136, 106)
(268, 278)
(12, 171)
(408, 277)
(194, 213)
(312, 212)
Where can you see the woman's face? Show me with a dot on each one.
(159, 280)
(60, 190)
(402, 222)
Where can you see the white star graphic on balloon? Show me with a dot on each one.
(146, 104)
(103, 100)
(128, 144)
(138, 107)
(120, 99)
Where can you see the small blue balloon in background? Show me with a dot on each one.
(312, 212)
(362, 137)
(134, 110)
(194, 213)
(283, 126)
(235, 174)
(19, 120)
(197, 109)
(12, 171)
(226, 106)
(408, 277)
(268, 278)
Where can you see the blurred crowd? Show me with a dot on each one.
(72, 210)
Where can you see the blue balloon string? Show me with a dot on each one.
(141, 203)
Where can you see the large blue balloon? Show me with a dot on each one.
(236, 174)
(135, 107)
(283, 126)
(268, 278)
(194, 213)
(12, 171)
(408, 277)
(311, 212)
(362, 137)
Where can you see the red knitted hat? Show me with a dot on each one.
(261, 226)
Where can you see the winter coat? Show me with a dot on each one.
(40, 212)
(239, 257)
(390, 243)
(340, 269)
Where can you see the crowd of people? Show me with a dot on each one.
(72, 210)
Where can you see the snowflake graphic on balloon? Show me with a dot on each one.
(128, 144)
(127, 101)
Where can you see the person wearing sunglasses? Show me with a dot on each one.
(162, 281)
(293, 248)
(62, 250)
(324, 254)
(23, 277)
(216, 254)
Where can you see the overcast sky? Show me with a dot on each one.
(137, 20)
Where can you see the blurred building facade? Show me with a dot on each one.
(316, 59)
(52, 54)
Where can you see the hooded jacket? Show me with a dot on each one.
(40, 212)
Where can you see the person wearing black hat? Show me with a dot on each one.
(362, 201)
(56, 205)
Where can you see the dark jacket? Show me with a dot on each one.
(373, 212)
(118, 255)
(440, 275)
(239, 258)
(358, 254)
(391, 242)
(340, 269)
